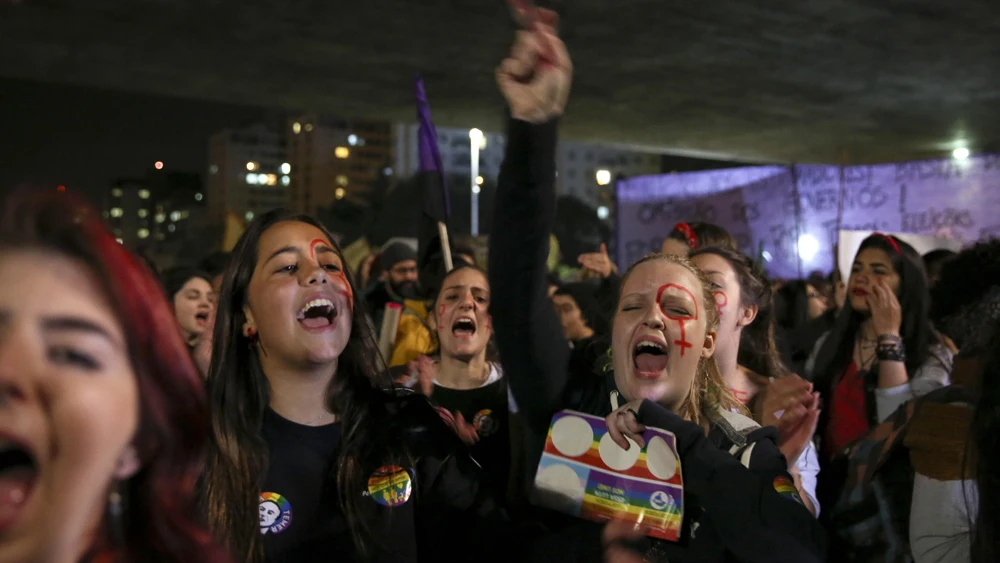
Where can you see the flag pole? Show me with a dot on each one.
(445, 246)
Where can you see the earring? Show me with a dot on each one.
(609, 365)
(115, 512)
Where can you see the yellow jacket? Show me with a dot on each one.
(413, 336)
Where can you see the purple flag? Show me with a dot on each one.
(437, 204)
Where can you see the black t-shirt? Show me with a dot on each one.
(300, 515)
(486, 409)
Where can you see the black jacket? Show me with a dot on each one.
(449, 514)
(732, 512)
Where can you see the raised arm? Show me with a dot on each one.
(535, 82)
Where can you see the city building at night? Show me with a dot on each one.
(333, 158)
(156, 212)
(248, 171)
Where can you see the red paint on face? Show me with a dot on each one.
(346, 290)
(489, 322)
(720, 301)
(312, 247)
(441, 309)
(683, 343)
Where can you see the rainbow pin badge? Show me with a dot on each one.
(390, 485)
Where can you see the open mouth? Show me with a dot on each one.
(463, 328)
(17, 479)
(201, 318)
(318, 313)
(650, 359)
(860, 292)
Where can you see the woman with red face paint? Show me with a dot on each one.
(462, 377)
(316, 457)
(103, 419)
(661, 371)
(747, 356)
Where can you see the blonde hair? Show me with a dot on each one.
(709, 392)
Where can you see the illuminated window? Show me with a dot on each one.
(342, 180)
(116, 192)
(175, 215)
(171, 227)
(286, 168)
(158, 165)
(160, 217)
(339, 193)
(143, 233)
(198, 196)
(251, 166)
(213, 169)
(251, 178)
(309, 127)
(603, 212)
(603, 177)
(285, 180)
(272, 179)
(342, 152)
(262, 179)
(296, 127)
(352, 140)
(479, 180)
(116, 211)
(143, 194)
(143, 213)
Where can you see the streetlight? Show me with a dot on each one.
(961, 153)
(475, 142)
(603, 177)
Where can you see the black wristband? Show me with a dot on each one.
(890, 351)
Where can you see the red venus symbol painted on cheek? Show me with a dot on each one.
(683, 343)
(720, 301)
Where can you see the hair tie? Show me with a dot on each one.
(892, 241)
(688, 232)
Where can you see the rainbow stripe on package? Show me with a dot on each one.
(585, 474)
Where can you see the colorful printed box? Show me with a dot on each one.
(585, 474)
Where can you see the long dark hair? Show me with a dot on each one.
(985, 448)
(791, 304)
(239, 395)
(160, 502)
(914, 301)
(758, 350)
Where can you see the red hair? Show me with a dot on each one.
(160, 521)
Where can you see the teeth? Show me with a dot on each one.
(648, 344)
(316, 303)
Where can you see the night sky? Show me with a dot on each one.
(83, 138)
